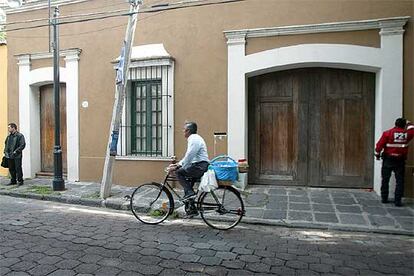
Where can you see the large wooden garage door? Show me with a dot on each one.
(313, 127)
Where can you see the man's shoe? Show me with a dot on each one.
(191, 213)
(384, 200)
(20, 183)
(11, 183)
(398, 203)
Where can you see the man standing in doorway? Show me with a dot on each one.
(13, 150)
(394, 147)
(194, 164)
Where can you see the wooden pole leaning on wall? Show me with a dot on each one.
(122, 78)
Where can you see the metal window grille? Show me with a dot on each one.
(146, 123)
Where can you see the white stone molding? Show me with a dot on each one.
(29, 109)
(236, 38)
(72, 115)
(24, 60)
(393, 26)
(386, 62)
(65, 53)
(347, 26)
(152, 62)
(25, 98)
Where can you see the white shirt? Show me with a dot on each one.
(196, 151)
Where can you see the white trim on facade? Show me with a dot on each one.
(359, 25)
(142, 158)
(44, 55)
(386, 62)
(29, 109)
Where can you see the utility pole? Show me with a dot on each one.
(58, 182)
(48, 8)
(122, 78)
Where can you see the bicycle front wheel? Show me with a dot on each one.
(222, 208)
(151, 203)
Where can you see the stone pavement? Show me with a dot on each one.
(341, 209)
(49, 238)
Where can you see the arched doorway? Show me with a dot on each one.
(312, 127)
(30, 83)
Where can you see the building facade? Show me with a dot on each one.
(302, 89)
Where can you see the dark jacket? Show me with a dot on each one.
(14, 145)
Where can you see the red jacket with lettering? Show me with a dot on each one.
(395, 141)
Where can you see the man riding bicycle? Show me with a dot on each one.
(194, 164)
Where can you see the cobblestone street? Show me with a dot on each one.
(47, 238)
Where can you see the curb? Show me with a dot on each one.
(346, 228)
(61, 199)
(124, 206)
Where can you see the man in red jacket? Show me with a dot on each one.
(394, 147)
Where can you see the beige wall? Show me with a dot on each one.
(48, 62)
(3, 102)
(368, 38)
(194, 37)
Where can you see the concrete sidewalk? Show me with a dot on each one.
(324, 208)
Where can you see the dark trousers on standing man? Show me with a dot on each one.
(15, 169)
(389, 165)
(196, 170)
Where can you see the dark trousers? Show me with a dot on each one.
(196, 170)
(15, 169)
(397, 166)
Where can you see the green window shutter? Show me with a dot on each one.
(146, 118)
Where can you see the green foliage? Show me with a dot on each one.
(175, 215)
(11, 187)
(94, 195)
(157, 213)
(41, 190)
(2, 35)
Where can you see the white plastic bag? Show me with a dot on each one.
(208, 181)
(240, 184)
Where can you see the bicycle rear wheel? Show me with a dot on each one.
(151, 203)
(222, 208)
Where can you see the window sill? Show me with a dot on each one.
(143, 158)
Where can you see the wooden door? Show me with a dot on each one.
(313, 127)
(47, 127)
(342, 128)
(277, 129)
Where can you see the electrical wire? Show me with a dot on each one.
(69, 35)
(87, 32)
(64, 17)
(152, 10)
(73, 15)
(69, 22)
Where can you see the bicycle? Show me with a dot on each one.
(152, 203)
